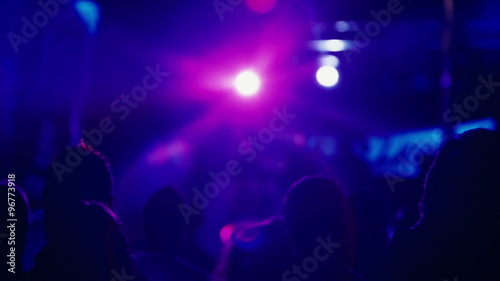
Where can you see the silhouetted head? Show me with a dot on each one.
(316, 205)
(86, 242)
(463, 184)
(164, 226)
(79, 173)
(458, 231)
(318, 213)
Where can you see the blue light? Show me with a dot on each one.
(312, 141)
(397, 153)
(327, 146)
(342, 26)
(89, 12)
(487, 123)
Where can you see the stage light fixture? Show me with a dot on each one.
(327, 76)
(247, 83)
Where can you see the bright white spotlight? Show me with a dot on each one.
(247, 83)
(332, 45)
(327, 76)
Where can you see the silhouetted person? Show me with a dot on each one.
(169, 256)
(314, 241)
(192, 251)
(13, 233)
(457, 235)
(84, 238)
(321, 224)
(84, 242)
(87, 177)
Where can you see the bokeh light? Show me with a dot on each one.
(343, 26)
(327, 76)
(247, 83)
(329, 60)
(89, 12)
(260, 6)
(331, 45)
(226, 233)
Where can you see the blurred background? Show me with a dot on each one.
(373, 85)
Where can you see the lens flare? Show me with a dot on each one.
(247, 83)
(327, 76)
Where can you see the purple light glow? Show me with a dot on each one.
(226, 233)
(260, 6)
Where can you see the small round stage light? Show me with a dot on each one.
(327, 76)
(247, 83)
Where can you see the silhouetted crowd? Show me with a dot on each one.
(323, 234)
